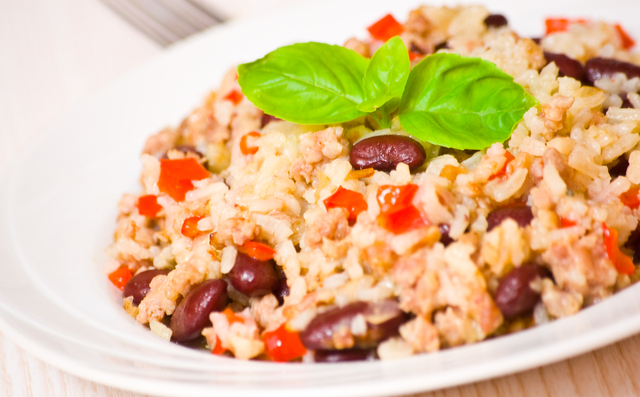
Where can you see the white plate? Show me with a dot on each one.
(58, 210)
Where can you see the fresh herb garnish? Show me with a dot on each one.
(446, 100)
(461, 103)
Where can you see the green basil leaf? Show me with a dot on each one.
(386, 75)
(306, 83)
(461, 103)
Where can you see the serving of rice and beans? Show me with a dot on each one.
(441, 182)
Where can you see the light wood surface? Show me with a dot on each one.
(54, 53)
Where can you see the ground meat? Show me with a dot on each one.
(582, 266)
(322, 144)
(334, 225)
(235, 231)
(358, 46)
(159, 143)
(553, 114)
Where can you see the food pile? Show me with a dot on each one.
(441, 182)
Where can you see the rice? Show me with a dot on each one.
(567, 180)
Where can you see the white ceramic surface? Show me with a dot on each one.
(58, 209)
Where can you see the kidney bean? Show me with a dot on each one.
(619, 169)
(514, 296)
(253, 277)
(382, 319)
(536, 40)
(267, 118)
(385, 152)
(495, 20)
(597, 68)
(336, 356)
(444, 234)
(441, 46)
(138, 285)
(281, 290)
(521, 214)
(568, 66)
(192, 314)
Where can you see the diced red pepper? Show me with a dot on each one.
(234, 96)
(232, 317)
(510, 157)
(256, 250)
(385, 28)
(565, 222)
(190, 227)
(401, 221)
(394, 198)
(244, 147)
(622, 262)
(176, 176)
(631, 198)
(627, 41)
(413, 55)
(555, 25)
(148, 206)
(120, 277)
(283, 345)
(353, 202)
(397, 213)
(218, 349)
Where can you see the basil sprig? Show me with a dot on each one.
(446, 100)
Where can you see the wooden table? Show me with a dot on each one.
(53, 53)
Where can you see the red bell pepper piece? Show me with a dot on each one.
(190, 227)
(244, 147)
(627, 41)
(218, 349)
(176, 176)
(283, 345)
(622, 262)
(565, 222)
(234, 96)
(631, 198)
(554, 25)
(385, 28)
(353, 202)
(256, 250)
(397, 213)
(120, 277)
(148, 206)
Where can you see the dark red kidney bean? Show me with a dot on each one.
(521, 214)
(495, 20)
(337, 356)
(619, 169)
(514, 296)
(536, 40)
(385, 152)
(253, 277)
(416, 49)
(568, 66)
(186, 149)
(192, 314)
(138, 285)
(267, 118)
(441, 46)
(383, 320)
(597, 68)
(626, 103)
(444, 234)
(281, 290)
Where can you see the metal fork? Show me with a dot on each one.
(165, 21)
